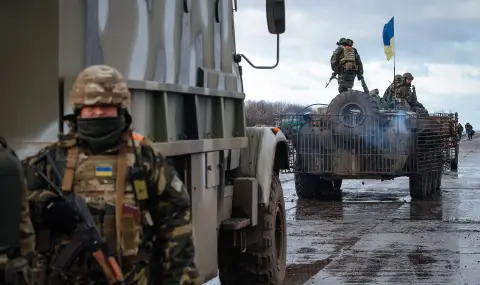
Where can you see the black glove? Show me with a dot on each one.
(360, 77)
(59, 216)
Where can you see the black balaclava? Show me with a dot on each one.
(99, 134)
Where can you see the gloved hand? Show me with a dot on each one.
(413, 88)
(360, 77)
(59, 216)
(18, 272)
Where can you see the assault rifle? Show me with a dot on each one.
(87, 237)
(331, 78)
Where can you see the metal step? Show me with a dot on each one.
(235, 224)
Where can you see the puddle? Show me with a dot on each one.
(297, 274)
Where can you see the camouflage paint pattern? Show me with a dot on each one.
(99, 85)
(160, 41)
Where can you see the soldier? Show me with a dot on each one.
(16, 244)
(469, 130)
(407, 95)
(388, 95)
(106, 165)
(346, 62)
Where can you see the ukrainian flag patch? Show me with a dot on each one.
(104, 170)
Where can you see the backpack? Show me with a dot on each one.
(347, 59)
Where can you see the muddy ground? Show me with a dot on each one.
(376, 235)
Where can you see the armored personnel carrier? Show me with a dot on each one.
(358, 137)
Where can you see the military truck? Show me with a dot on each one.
(185, 76)
(358, 138)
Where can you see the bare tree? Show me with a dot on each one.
(266, 113)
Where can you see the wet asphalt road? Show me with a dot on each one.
(376, 235)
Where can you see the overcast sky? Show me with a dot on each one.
(438, 41)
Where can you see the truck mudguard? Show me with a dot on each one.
(267, 152)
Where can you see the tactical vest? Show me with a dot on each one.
(102, 181)
(347, 59)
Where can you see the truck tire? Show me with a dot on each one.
(352, 99)
(264, 261)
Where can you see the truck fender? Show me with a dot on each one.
(267, 152)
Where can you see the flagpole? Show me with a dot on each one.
(394, 53)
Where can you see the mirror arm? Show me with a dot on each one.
(265, 67)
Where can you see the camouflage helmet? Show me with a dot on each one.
(408, 75)
(99, 85)
(349, 42)
(374, 92)
(397, 79)
(341, 41)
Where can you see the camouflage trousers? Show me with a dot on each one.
(346, 81)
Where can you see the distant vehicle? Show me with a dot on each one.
(358, 138)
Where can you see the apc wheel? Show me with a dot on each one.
(307, 186)
(423, 186)
(437, 180)
(310, 186)
(264, 261)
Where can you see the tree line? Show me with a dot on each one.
(266, 113)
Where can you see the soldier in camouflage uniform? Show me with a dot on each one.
(389, 94)
(95, 158)
(407, 94)
(346, 62)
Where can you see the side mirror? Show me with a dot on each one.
(276, 16)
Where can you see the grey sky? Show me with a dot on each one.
(438, 41)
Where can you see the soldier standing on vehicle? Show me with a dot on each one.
(16, 243)
(406, 95)
(346, 62)
(134, 194)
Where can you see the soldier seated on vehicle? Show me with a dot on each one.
(406, 91)
(389, 95)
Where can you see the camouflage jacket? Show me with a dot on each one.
(405, 93)
(335, 61)
(171, 260)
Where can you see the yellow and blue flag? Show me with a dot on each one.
(389, 38)
(104, 170)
